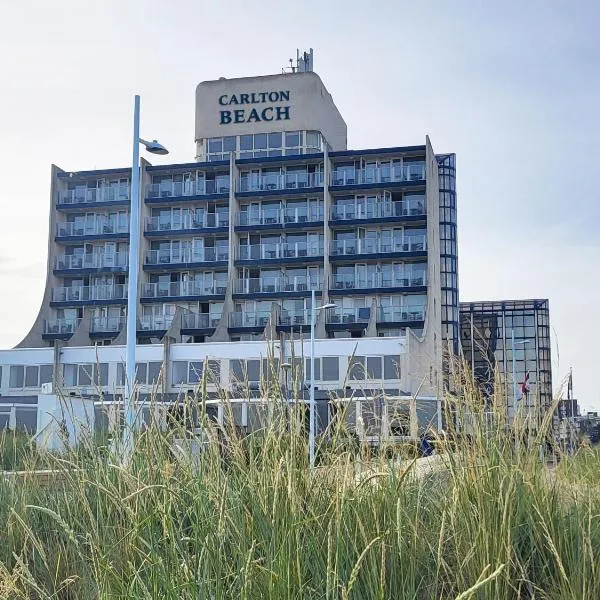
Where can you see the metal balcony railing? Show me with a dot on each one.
(107, 324)
(415, 243)
(95, 260)
(61, 326)
(266, 285)
(183, 288)
(279, 181)
(395, 314)
(299, 317)
(280, 251)
(348, 315)
(398, 173)
(117, 291)
(378, 210)
(280, 215)
(191, 320)
(377, 280)
(198, 221)
(172, 257)
(98, 227)
(155, 322)
(85, 195)
(175, 189)
(249, 319)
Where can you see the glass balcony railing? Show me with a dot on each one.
(279, 215)
(373, 246)
(267, 285)
(294, 317)
(92, 261)
(107, 324)
(347, 316)
(116, 291)
(175, 189)
(155, 322)
(280, 251)
(99, 227)
(173, 257)
(249, 319)
(407, 172)
(199, 221)
(93, 195)
(405, 208)
(61, 326)
(397, 314)
(279, 181)
(183, 288)
(376, 280)
(191, 320)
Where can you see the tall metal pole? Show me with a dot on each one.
(132, 285)
(311, 424)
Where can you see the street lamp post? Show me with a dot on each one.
(132, 283)
(311, 423)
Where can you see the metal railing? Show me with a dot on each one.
(175, 189)
(191, 320)
(348, 315)
(373, 246)
(83, 195)
(266, 285)
(61, 326)
(376, 280)
(249, 319)
(378, 210)
(107, 324)
(172, 257)
(155, 322)
(279, 215)
(279, 251)
(98, 227)
(279, 181)
(294, 317)
(407, 172)
(117, 291)
(197, 221)
(395, 314)
(95, 260)
(182, 288)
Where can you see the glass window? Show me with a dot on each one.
(373, 367)
(229, 144)
(179, 372)
(154, 372)
(215, 145)
(194, 371)
(246, 142)
(260, 141)
(70, 375)
(356, 367)
(214, 371)
(275, 140)
(317, 369)
(331, 368)
(391, 367)
(31, 376)
(253, 368)
(102, 374)
(46, 372)
(292, 139)
(141, 372)
(84, 374)
(313, 139)
(17, 374)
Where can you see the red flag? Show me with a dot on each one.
(525, 385)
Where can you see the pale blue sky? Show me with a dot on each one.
(513, 88)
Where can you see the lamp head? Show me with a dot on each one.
(154, 147)
(326, 306)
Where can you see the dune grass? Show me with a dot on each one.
(246, 518)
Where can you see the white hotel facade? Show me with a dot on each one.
(232, 243)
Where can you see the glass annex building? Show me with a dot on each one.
(273, 207)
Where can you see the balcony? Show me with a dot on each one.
(377, 280)
(182, 289)
(280, 251)
(379, 175)
(382, 210)
(155, 322)
(249, 319)
(280, 181)
(90, 293)
(61, 326)
(271, 285)
(99, 227)
(117, 194)
(68, 262)
(348, 316)
(200, 221)
(294, 318)
(281, 216)
(373, 246)
(396, 314)
(107, 324)
(179, 189)
(170, 257)
(191, 320)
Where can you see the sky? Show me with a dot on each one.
(511, 87)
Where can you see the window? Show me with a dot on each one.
(16, 376)
(146, 373)
(85, 374)
(391, 367)
(366, 367)
(326, 368)
(245, 371)
(220, 148)
(179, 372)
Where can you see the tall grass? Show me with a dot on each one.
(246, 518)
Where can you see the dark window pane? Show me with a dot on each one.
(195, 371)
(46, 373)
(275, 140)
(374, 367)
(16, 376)
(154, 372)
(229, 144)
(331, 368)
(179, 372)
(31, 376)
(260, 141)
(391, 367)
(246, 142)
(84, 374)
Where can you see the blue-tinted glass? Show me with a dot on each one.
(215, 145)
(275, 140)
(260, 141)
(246, 142)
(229, 144)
